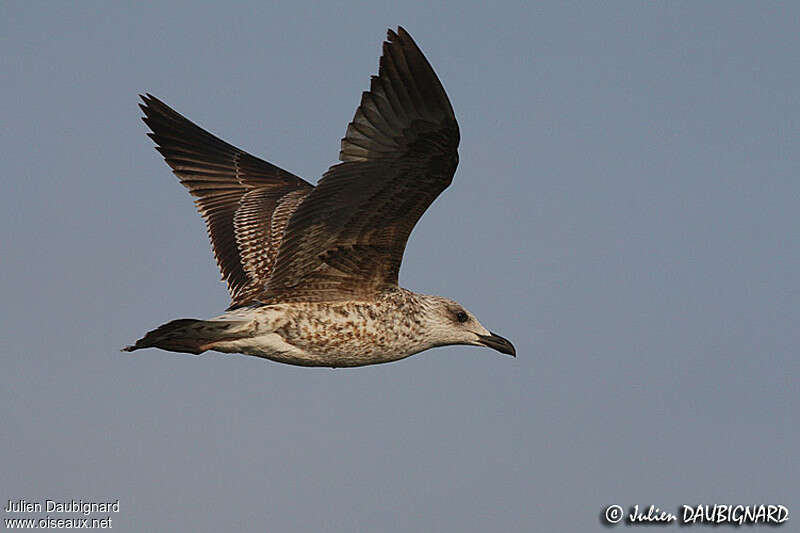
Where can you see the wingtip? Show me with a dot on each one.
(146, 105)
(128, 349)
(150, 102)
(398, 35)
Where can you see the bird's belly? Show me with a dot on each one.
(272, 346)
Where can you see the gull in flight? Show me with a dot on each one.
(312, 270)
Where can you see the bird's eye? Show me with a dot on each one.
(461, 316)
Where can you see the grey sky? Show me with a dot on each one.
(625, 211)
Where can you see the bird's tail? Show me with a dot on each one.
(189, 335)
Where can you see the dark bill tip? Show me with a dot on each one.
(498, 343)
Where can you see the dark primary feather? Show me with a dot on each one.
(245, 201)
(346, 240)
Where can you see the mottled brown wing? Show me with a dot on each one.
(245, 201)
(346, 240)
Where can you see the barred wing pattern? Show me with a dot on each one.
(246, 202)
(346, 240)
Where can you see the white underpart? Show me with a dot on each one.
(271, 346)
(349, 333)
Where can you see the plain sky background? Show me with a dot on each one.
(626, 211)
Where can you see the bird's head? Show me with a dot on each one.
(448, 322)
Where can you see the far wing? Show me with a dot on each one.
(245, 201)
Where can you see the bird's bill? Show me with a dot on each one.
(496, 342)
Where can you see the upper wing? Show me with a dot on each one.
(346, 240)
(245, 201)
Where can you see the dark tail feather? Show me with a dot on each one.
(189, 335)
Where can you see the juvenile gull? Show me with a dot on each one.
(312, 271)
